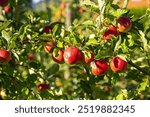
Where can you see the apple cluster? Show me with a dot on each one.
(73, 55)
(123, 25)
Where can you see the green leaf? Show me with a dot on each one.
(5, 25)
(55, 51)
(23, 31)
(130, 41)
(88, 22)
(89, 3)
(120, 97)
(142, 86)
(92, 42)
(25, 91)
(12, 42)
(52, 69)
(144, 40)
(75, 39)
(87, 53)
(119, 12)
(5, 35)
(60, 44)
(148, 11)
(124, 46)
(123, 95)
(56, 29)
(104, 53)
(118, 43)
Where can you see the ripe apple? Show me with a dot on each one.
(6, 9)
(99, 67)
(62, 5)
(3, 3)
(63, 13)
(110, 31)
(42, 87)
(31, 56)
(72, 55)
(117, 64)
(124, 24)
(5, 56)
(88, 59)
(58, 58)
(107, 88)
(81, 10)
(49, 46)
(47, 29)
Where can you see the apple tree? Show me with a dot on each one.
(103, 54)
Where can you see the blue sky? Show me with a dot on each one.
(36, 1)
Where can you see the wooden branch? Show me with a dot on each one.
(138, 68)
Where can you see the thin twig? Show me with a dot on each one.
(140, 18)
(138, 68)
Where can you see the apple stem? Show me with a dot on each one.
(138, 68)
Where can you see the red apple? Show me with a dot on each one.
(31, 56)
(124, 24)
(117, 64)
(62, 5)
(6, 9)
(63, 13)
(88, 59)
(72, 55)
(3, 3)
(42, 87)
(5, 56)
(99, 67)
(58, 58)
(81, 10)
(47, 29)
(49, 46)
(107, 88)
(110, 31)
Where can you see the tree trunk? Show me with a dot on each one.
(68, 15)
